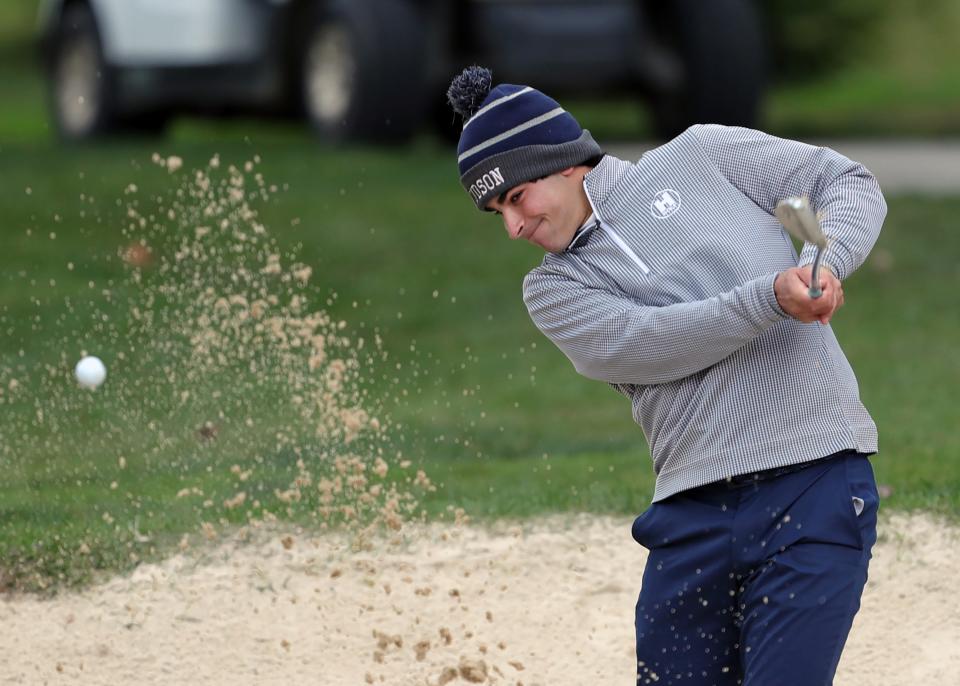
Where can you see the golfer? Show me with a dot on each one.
(670, 279)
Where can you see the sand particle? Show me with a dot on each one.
(421, 649)
(446, 676)
(474, 671)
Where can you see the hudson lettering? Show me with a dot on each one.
(486, 183)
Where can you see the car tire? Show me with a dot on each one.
(81, 89)
(720, 47)
(363, 70)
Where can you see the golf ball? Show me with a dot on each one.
(90, 371)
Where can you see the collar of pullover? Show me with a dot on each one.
(600, 181)
(582, 236)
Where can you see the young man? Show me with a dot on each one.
(670, 279)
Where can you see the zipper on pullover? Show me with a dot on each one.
(614, 235)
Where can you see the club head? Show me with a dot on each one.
(800, 221)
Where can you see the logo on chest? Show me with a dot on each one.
(664, 204)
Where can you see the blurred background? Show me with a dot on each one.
(126, 124)
(377, 69)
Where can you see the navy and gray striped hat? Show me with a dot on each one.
(513, 134)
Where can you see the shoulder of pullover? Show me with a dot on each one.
(768, 169)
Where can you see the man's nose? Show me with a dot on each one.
(513, 222)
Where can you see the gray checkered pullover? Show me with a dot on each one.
(671, 301)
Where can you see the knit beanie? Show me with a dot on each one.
(512, 134)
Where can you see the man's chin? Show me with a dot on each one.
(554, 245)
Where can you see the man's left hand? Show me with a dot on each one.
(829, 284)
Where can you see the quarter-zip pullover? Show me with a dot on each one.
(671, 301)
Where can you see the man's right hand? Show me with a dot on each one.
(792, 288)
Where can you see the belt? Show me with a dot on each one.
(772, 473)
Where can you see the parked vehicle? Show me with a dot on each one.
(377, 69)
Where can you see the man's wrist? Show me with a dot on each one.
(775, 303)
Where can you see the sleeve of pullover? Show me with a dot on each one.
(612, 338)
(768, 169)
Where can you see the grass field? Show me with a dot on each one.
(475, 396)
(471, 392)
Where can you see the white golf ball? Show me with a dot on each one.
(90, 371)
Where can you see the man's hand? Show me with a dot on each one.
(792, 288)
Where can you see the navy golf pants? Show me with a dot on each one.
(754, 581)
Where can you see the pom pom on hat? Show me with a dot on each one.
(468, 90)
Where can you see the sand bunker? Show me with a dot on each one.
(546, 602)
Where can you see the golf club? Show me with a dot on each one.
(802, 223)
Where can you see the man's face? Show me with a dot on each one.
(546, 212)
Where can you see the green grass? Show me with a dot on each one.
(867, 101)
(473, 394)
(469, 390)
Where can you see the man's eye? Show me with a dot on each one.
(516, 197)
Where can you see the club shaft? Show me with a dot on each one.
(815, 290)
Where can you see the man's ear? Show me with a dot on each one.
(568, 171)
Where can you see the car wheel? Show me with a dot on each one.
(363, 70)
(81, 91)
(720, 49)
